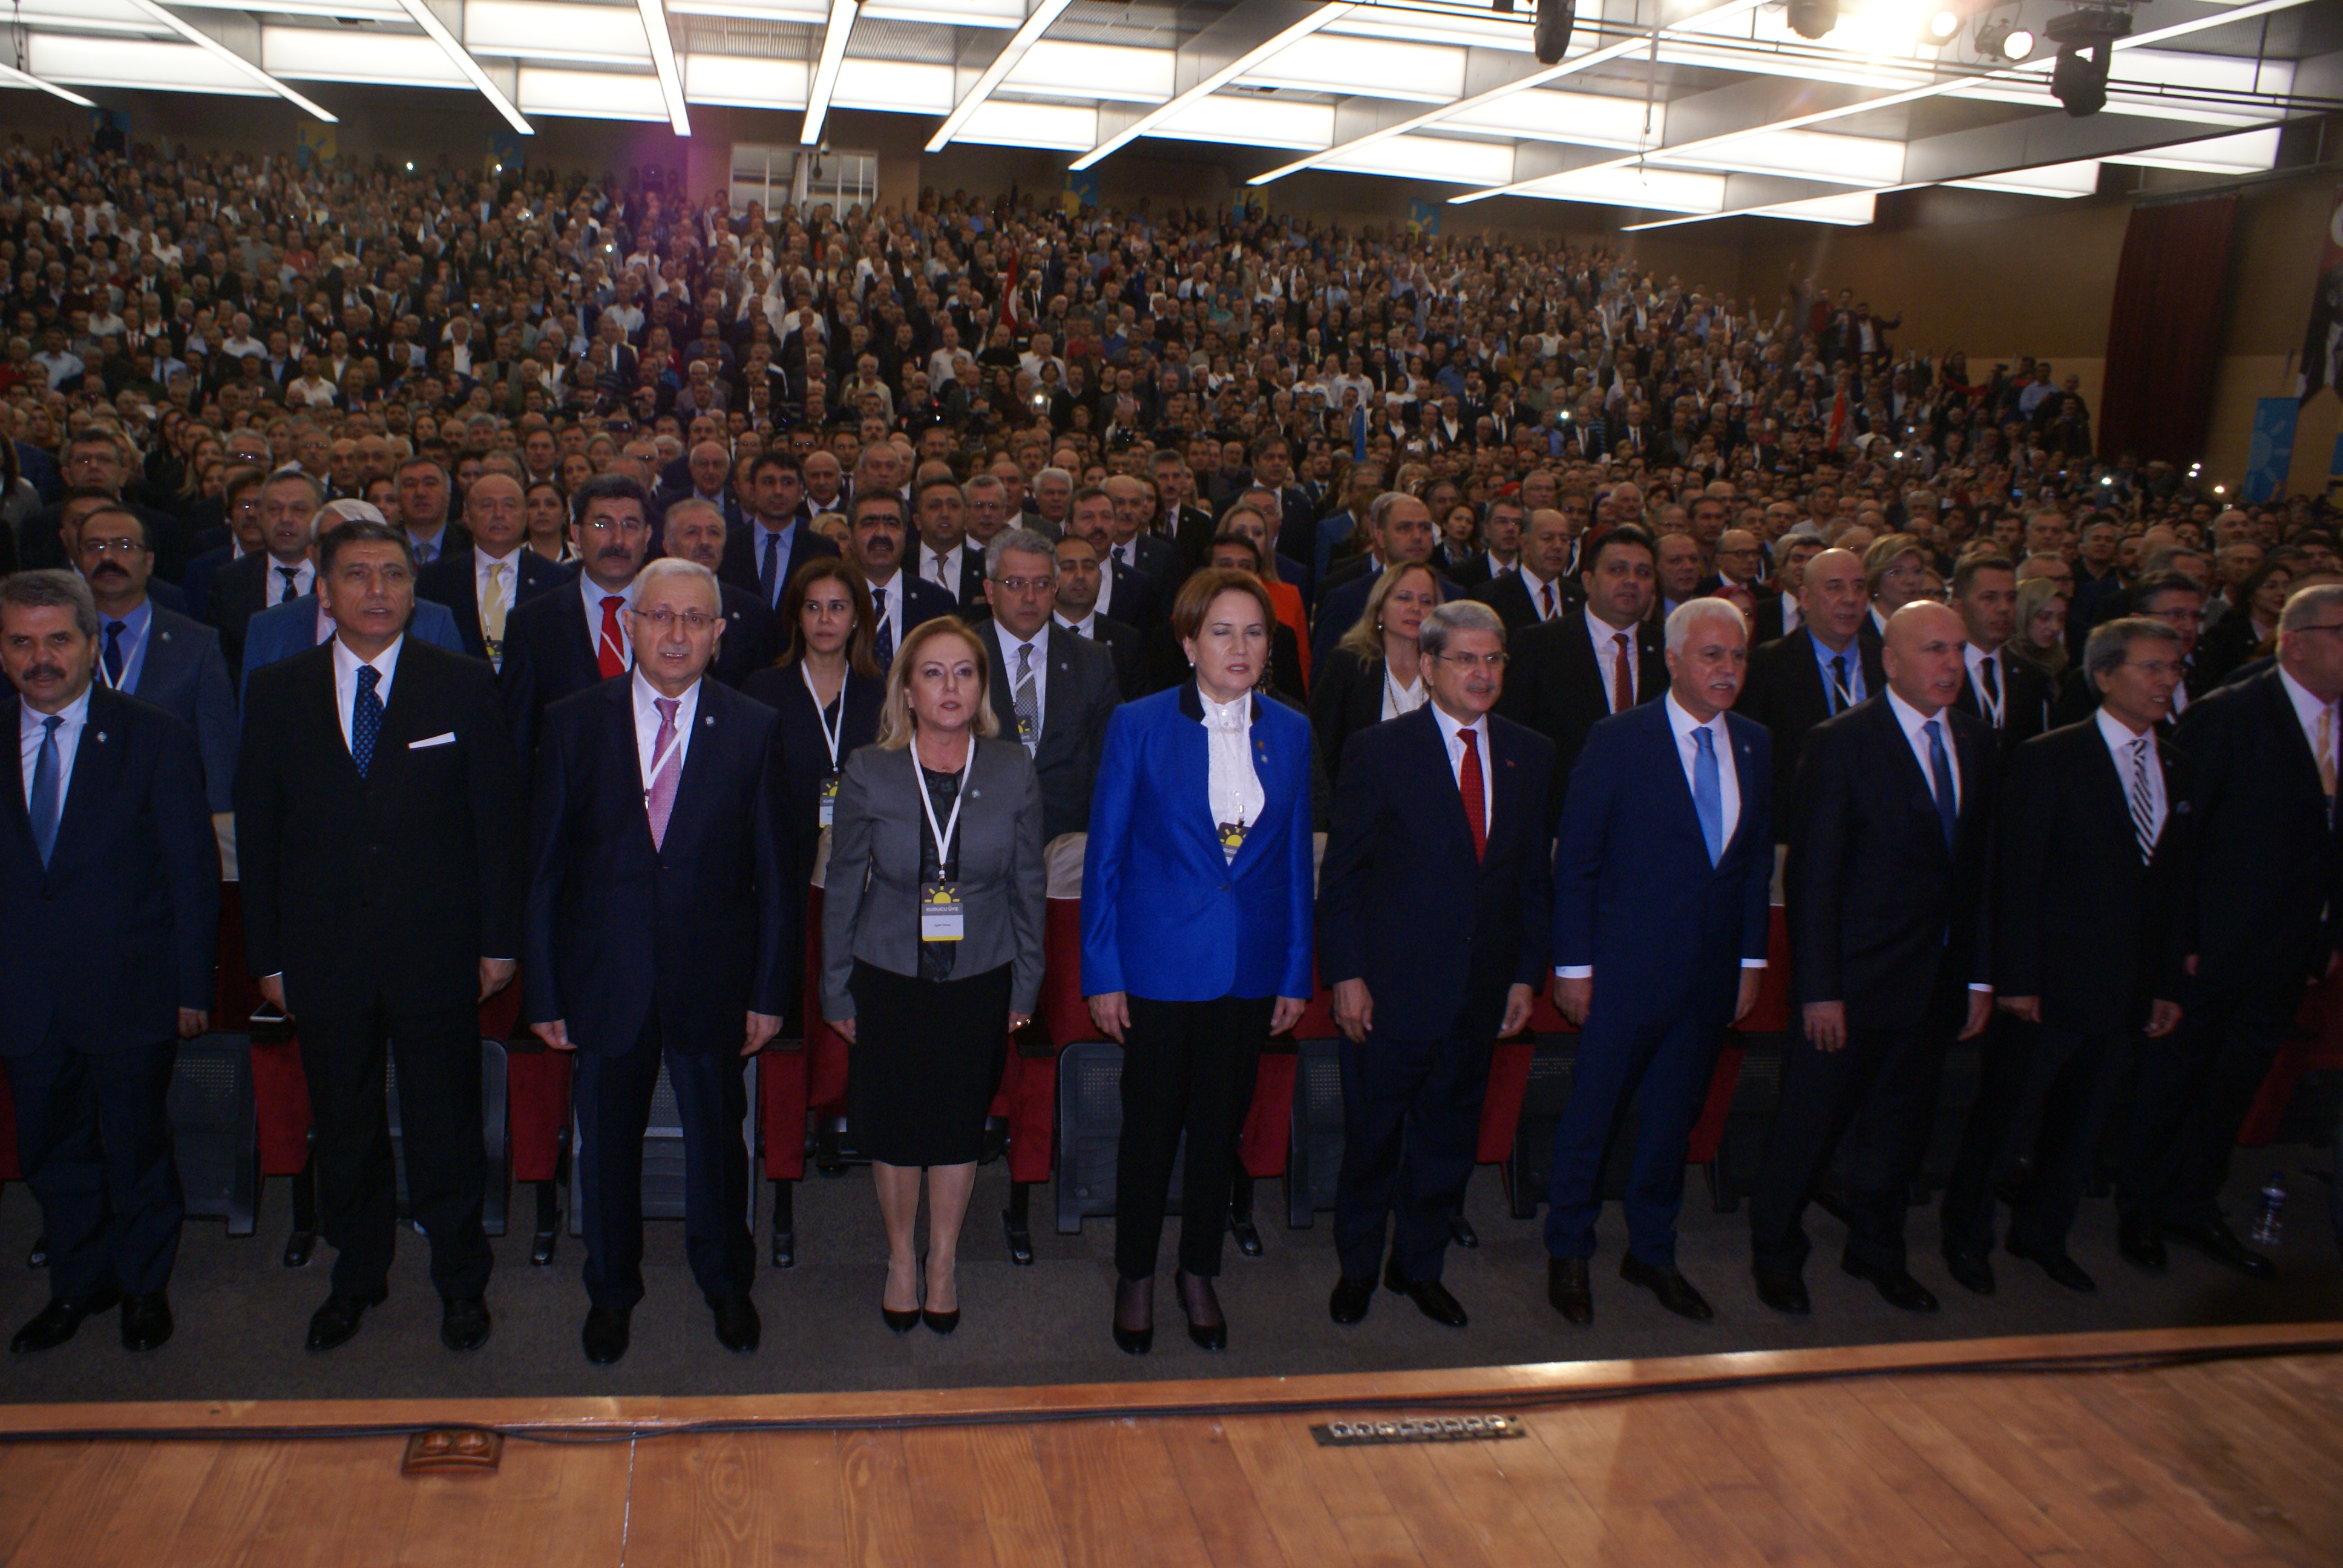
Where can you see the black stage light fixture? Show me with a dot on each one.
(2085, 38)
(1550, 37)
(1813, 18)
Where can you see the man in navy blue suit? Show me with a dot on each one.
(658, 926)
(481, 584)
(1435, 883)
(1660, 928)
(564, 642)
(108, 840)
(761, 555)
(154, 654)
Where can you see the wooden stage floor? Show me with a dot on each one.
(2100, 1451)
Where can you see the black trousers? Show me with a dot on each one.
(1410, 1125)
(2047, 1090)
(1187, 1067)
(93, 1140)
(1892, 1076)
(438, 1056)
(614, 1093)
(2195, 1087)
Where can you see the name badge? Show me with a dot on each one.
(1232, 836)
(940, 919)
(829, 797)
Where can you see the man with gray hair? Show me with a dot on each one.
(1660, 934)
(1053, 690)
(1439, 848)
(1053, 500)
(694, 530)
(1399, 532)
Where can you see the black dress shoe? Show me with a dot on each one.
(2062, 1269)
(1134, 1315)
(606, 1334)
(1784, 1292)
(1971, 1272)
(1350, 1300)
(1200, 1304)
(1897, 1288)
(2141, 1241)
(145, 1321)
(1664, 1281)
(55, 1324)
(2221, 1244)
(1461, 1231)
(1430, 1296)
(1567, 1288)
(334, 1323)
(464, 1323)
(738, 1327)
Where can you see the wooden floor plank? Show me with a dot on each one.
(1092, 1526)
(1020, 1510)
(1945, 1437)
(948, 1498)
(1776, 1532)
(1163, 1517)
(1228, 1517)
(1862, 1437)
(723, 1498)
(1508, 1531)
(1277, 1471)
(874, 1489)
(1597, 1448)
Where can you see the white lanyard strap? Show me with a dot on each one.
(829, 732)
(959, 798)
(660, 758)
(1994, 702)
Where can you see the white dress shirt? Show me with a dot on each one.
(1915, 725)
(1537, 587)
(305, 581)
(944, 570)
(482, 561)
(593, 593)
(1606, 656)
(1232, 787)
(2307, 709)
(1011, 650)
(887, 603)
(1790, 616)
(2122, 747)
(1399, 701)
(1086, 628)
(1728, 778)
(1450, 732)
(1994, 703)
(646, 724)
(346, 682)
(1106, 592)
(31, 725)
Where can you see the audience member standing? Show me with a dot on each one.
(562, 643)
(1567, 675)
(482, 585)
(826, 689)
(1056, 690)
(1816, 671)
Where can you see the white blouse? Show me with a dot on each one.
(1234, 788)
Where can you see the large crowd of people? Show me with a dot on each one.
(532, 579)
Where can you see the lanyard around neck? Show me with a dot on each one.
(959, 798)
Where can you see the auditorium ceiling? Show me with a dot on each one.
(1680, 110)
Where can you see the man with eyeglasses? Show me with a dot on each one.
(612, 863)
(1051, 689)
(379, 834)
(565, 642)
(2262, 902)
(154, 654)
(2173, 599)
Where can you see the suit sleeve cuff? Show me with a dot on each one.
(1573, 972)
(1979, 985)
(1753, 963)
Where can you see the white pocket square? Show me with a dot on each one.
(447, 740)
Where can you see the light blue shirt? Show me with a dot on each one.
(1854, 657)
(135, 628)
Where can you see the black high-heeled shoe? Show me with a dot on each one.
(902, 1322)
(1134, 1298)
(1208, 1336)
(940, 1323)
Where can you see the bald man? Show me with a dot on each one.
(1886, 883)
(1820, 670)
(483, 584)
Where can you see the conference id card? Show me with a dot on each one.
(1233, 837)
(940, 917)
(829, 797)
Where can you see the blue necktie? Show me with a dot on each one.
(1708, 793)
(43, 805)
(1948, 809)
(113, 630)
(366, 720)
(769, 577)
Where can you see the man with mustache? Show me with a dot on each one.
(567, 641)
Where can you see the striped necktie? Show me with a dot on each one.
(2143, 801)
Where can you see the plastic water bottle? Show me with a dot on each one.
(2267, 1223)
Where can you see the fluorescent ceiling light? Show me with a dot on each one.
(1251, 122)
(671, 76)
(461, 58)
(1655, 190)
(801, 11)
(2250, 153)
(228, 57)
(591, 95)
(1115, 72)
(324, 55)
(1146, 123)
(1368, 67)
(153, 63)
(1852, 210)
(745, 81)
(1441, 160)
(1059, 127)
(897, 86)
(1011, 53)
(1804, 155)
(949, 13)
(26, 79)
(1488, 32)
(834, 35)
(2064, 181)
(541, 30)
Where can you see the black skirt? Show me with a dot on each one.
(925, 1063)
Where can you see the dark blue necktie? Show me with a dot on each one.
(46, 798)
(1838, 701)
(292, 575)
(769, 577)
(1948, 809)
(113, 630)
(1708, 793)
(366, 720)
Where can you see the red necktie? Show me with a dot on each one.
(612, 654)
(1622, 675)
(1549, 601)
(1468, 782)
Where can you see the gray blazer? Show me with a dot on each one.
(870, 902)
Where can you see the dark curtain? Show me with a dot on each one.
(2164, 332)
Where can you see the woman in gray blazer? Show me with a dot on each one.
(932, 945)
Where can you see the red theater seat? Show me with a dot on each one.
(2315, 1044)
(1771, 1015)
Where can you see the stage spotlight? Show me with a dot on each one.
(2003, 40)
(2085, 39)
(1943, 26)
(1550, 37)
(1813, 18)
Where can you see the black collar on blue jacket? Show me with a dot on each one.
(1192, 704)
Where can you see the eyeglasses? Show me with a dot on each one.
(627, 526)
(665, 620)
(117, 547)
(1491, 662)
(1027, 585)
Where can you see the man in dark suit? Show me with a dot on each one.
(1537, 591)
(707, 477)
(2266, 884)
(2091, 853)
(659, 927)
(423, 494)
(878, 527)
(152, 653)
(1820, 670)
(1076, 612)
(943, 556)
(693, 530)
(241, 499)
(1780, 609)
(1659, 932)
(2178, 601)
(1567, 675)
(1126, 593)
(1399, 529)
(761, 557)
(1133, 546)
(1438, 846)
(378, 823)
(1890, 819)
(281, 571)
(483, 585)
(2009, 694)
(565, 642)
(1051, 690)
(109, 859)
